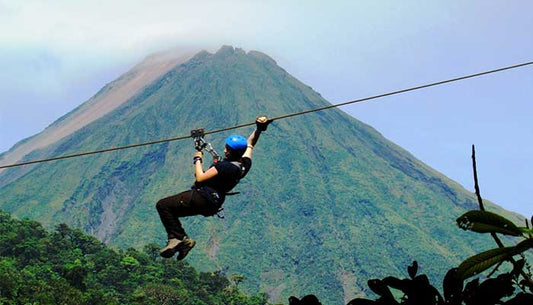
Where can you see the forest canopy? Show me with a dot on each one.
(66, 266)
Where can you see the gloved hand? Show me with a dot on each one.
(262, 123)
(197, 156)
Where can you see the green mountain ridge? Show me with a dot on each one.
(328, 204)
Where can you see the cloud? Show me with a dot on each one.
(73, 26)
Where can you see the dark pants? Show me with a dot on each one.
(188, 203)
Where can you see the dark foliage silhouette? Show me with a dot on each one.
(306, 300)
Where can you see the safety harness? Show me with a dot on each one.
(200, 144)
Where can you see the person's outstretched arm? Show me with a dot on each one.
(261, 124)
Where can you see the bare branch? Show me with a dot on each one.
(481, 207)
(476, 184)
(478, 194)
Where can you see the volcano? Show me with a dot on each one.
(328, 204)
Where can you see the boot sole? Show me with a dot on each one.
(184, 249)
(168, 253)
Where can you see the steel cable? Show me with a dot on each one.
(274, 118)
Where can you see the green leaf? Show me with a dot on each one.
(481, 262)
(487, 222)
(524, 245)
(526, 231)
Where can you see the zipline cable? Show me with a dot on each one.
(275, 118)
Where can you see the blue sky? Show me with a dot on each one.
(54, 55)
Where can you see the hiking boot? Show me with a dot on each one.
(184, 247)
(171, 248)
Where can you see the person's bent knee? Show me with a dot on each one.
(160, 205)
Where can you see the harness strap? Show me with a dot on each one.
(240, 166)
(220, 213)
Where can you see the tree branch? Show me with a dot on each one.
(478, 194)
(481, 207)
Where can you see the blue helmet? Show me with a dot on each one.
(236, 142)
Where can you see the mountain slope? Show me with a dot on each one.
(109, 98)
(328, 204)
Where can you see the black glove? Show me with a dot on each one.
(197, 157)
(262, 123)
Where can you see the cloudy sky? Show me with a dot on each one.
(54, 55)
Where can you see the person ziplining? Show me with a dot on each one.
(210, 188)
